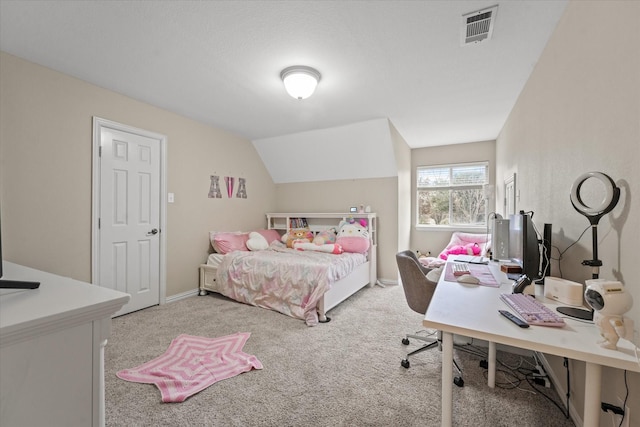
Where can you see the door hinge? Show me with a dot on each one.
(100, 151)
(98, 223)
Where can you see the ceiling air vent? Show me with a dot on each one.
(478, 26)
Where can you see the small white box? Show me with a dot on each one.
(564, 291)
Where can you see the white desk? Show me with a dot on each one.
(52, 349)
(472, 311)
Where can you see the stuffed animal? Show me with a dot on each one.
(325, 237)
(303, 235)
(353, 237)
(257, 242)
(468, 249)
(331, 248)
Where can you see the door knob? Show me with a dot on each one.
(152, 232)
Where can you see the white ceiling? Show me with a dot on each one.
(219, 61)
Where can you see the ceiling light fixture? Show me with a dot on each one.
(300, 81)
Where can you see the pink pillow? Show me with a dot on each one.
(228, 242)
(355, 244)
(270, 235)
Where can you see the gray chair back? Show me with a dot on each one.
(418, 290)
(415, 257)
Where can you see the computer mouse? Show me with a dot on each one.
(468, 279)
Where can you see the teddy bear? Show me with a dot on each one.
(468, 249)
(303, 235)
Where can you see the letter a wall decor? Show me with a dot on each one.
(214, 188)
(229, 181)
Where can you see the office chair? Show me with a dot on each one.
(418, 291)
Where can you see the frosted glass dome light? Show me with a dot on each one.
(300, 81)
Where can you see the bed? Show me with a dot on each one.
(299, 283)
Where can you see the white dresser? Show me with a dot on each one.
(52, 349)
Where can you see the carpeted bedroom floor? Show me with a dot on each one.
(343, 373)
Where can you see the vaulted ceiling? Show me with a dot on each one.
(219, 62)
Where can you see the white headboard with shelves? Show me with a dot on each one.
(318, 222)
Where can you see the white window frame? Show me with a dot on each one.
(457, 227)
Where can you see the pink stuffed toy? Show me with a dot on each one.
(353, 237)
(468, 249)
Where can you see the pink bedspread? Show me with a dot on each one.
(282, 279)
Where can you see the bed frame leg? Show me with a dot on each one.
(322, 316)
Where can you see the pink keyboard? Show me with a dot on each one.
(532, 310)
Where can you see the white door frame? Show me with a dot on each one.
(98, 124)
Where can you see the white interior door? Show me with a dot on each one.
(510, 196)
(129, 214)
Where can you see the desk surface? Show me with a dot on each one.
(57, 303)
(472, 311)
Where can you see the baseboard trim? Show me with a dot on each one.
(178, 297)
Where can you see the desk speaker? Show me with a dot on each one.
(564, 291)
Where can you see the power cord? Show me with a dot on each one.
(626, 396)
(513, 376)
(566, 366)
(561, 253)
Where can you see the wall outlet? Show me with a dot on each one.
(627, 413)
(540, 376)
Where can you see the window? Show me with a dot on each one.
(452, 195)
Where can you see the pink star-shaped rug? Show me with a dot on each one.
(193, 363)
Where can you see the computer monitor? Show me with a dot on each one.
(524, 247)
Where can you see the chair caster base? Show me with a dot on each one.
(458, 381)
(405, 341)
(405, 363)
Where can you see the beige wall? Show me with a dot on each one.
(580, 112)
(337, 196)
(387, 197)
(45, 170)
(435, 240)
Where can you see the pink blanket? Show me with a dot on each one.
(283, 279)
(192, 364)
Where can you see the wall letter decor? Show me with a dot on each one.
(214, 188)
(229, 180)
(242, 189)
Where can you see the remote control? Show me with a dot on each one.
(514, 319)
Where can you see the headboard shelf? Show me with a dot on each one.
(319, 221)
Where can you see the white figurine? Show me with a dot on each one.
(610, 301)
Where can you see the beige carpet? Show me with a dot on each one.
(343, 373)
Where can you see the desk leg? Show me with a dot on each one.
(593, 380)
(491, 374)
(447, 379)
